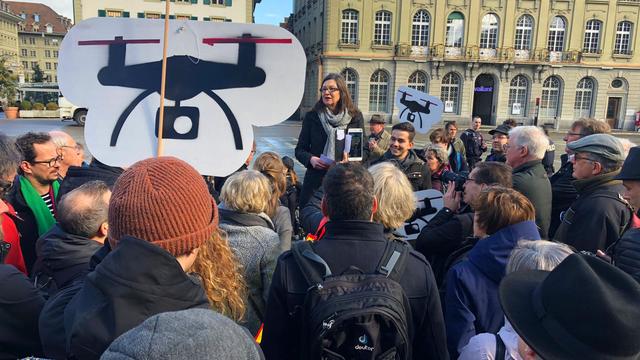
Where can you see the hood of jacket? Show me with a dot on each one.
(491, 254)
(58, 249)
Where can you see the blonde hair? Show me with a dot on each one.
(394, 192)
(221, 276)
(271, 166)
(247, 191)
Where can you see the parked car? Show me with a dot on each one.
(68, 111)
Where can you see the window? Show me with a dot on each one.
(23, 52)
(183, 17)
(349, 27)
(24, 41)
(524, 28)
(114, 13)
(450, 92)
(555, 42)
(623, 38)
(25, 64)
(36, 17)
(49, 29)
(47, 66)
(152, 15)
(351, 79)
(47, 53)
(592, 37)
(32, 53)
(518, 93)
(34, 64)
(455, 29)
(47, 42)
(55, 53)
(382, 28)
(584, 98)
(550, 102)
(420, 29)
(418, 81)
(489, 32)
(32, 41)
(55, 66)
(378, 91)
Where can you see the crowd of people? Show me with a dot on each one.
(157, 261)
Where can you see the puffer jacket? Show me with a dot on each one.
(625, 254)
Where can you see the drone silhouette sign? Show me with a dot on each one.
(221, 80)
(418, 108)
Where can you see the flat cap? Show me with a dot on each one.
(377, 119)
(501, 129)
(605, 145)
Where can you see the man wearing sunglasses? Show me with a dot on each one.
(34, 191)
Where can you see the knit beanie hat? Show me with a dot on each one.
(163, 201)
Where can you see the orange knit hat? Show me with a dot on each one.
(165, 202)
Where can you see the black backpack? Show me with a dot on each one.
(355, 315)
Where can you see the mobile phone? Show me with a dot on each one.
(355, 152)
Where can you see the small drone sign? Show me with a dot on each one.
(221, 79)
(428, 203)
(418, 108)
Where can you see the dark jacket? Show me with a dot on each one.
(471, 302)
(416, 170)
(444, 234)
(563, 193)
(531, 180)
(457, 158)
(311, 142)
(51, 322)
(625, 254)
(549, 158)
(473, 144)
(311, 214)
(63, 257)
(598, 217)
(136, 281)
(345, 244)
(20, 306)
(497, 156)
(79, 175)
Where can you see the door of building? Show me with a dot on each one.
(483, 94)
(613, 111)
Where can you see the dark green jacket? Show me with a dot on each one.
(531, 180)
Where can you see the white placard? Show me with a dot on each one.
(516, 109)
(418, 108)
(428, 203)
(222, 79)
(448, 106)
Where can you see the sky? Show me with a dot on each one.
(267, 11)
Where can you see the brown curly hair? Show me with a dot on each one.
(271, 166)
(221, 276)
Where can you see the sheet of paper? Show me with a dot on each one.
(339, 134)
(347, 143)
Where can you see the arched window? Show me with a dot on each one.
(592, 37)
(489, 32)
(524, 29)
(418, 81)
(351, 79)
(379, 91)
(584, 98)
(450, 92)
(623, 38)
(420, 28)
(518, 94)
(382, 28)
(555, 42)
(455, 29)
(349, 27)
(550, 102)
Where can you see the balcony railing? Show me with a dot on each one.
(508, 54)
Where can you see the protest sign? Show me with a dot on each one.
(428, 203)
(418, 108)
(221, 79)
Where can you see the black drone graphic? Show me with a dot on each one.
(414, 107)
(186, 77)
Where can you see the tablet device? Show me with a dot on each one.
(355, 151)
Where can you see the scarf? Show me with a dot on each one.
(41, 212)
(331, 124)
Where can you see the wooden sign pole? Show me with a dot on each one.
(163, 82)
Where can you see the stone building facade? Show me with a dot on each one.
(550, 61)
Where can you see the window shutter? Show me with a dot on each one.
(227, 20)
(228, 2)
(141, 15)
(194, 1)
(194, 18)
(172, 17)
(125, 14)
(206, 19)
(206, 2)
(102, 13)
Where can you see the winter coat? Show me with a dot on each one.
(51, 323)
(531, 180)
(311, 143)
(471, 301)
(483, 346)
(282, 225)
(497, 156)
(625, 254)
(12, 236)
(384, 140)
(136, 281)
(79, 175)
(563, 193)
(63, 257)
(20, 306)
(598, 217)
(360, 244)
(473, 143)
(256, 246)
(549, 158)
(416, 170)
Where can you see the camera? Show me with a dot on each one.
(458, 178)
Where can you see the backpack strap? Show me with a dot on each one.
(304, 255)
(501, 349)
(393, 260)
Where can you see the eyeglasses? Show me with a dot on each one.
(576, 158)
(569, 133)
(330, 90)
(51, 162)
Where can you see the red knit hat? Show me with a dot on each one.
(165, 202)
